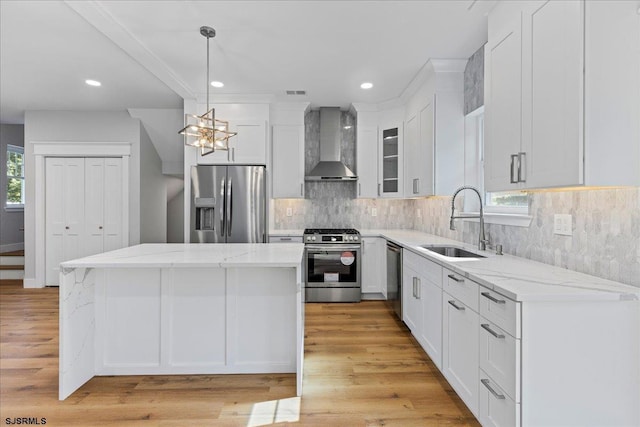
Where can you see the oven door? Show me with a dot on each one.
(335, 266)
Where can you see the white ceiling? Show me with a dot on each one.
(150, 54)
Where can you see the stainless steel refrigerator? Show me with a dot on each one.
(228, 204)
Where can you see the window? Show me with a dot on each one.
(500, 203)
(15, 177)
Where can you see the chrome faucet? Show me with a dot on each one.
(482, 241)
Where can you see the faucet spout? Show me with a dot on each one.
(482, 241)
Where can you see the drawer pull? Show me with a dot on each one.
(487, 328)
(457, 307)
(489, 297)
(454, 278)
(285, 239)
(495, 393)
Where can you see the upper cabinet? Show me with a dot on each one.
(434, 131)
(391, 154)
(249, 146)
(288, 162)
(562, 95)
(366, 149)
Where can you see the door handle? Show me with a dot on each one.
(230, 211)
(66, 227)
(497, 395)
(522, 167)
(487, 328)
(100, 227)
(302, 188)
(223, 211)
(457, 307)
(359, 189)
(454, 278)
(379, 189)
(488, 296)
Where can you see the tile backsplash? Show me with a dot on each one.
(605, 240)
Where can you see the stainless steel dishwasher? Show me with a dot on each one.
(394, 277)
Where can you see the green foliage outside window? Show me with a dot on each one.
(15, 176)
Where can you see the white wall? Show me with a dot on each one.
(77, 126)
(11, 237)
(153, 193)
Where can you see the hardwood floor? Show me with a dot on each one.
(362, 368)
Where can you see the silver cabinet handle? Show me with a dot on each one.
(487, 328)
(454, 278)
(359, 189)
(512, 172)
(302, 188)
(492, 298)
(285, 239)
(497, 395)
(233, 154)
(418, 291)
(521, 167)
(457, 307)
(379, 188)
(414, 287)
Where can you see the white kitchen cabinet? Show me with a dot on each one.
(391, 165)
(460, 349)
(367, 161)
(249, 146)
(503, 107)
(374, 267)
(562, 95)
(285, 239)
(287, 173)
(84, 209)
(411, 309)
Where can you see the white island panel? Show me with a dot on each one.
(197, 318)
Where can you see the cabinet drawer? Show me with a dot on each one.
(460, 287)
(496, 408)
(500, 357)
(285, 239)
(500, 310)
(425, 267)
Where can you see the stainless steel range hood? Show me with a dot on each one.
(330, 168)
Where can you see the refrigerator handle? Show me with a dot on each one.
(223, 211)
(230, 207)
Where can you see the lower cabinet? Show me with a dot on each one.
(373, 268)
(460, 349)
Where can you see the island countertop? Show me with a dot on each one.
(187, 255)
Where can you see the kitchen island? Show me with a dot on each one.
(158, 309)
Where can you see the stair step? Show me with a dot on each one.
(11, 274)
(11, 260)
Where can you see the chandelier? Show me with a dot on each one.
(206, 132)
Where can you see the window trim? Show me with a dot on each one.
(14, 207)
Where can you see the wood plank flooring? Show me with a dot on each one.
(362, 368)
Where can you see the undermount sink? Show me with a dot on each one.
(451, 251)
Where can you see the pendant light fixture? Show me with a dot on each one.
(206, 132)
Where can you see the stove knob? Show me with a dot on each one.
(355, 238)
(313, 238)
(350, 237)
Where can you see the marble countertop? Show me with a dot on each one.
(180, 255)
(514, 277)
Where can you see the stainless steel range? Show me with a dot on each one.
(332, 265)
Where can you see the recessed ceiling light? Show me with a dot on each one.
(217, 84)
(366, 85)
(93, 82)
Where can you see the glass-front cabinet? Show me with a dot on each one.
(390, 178)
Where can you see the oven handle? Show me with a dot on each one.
(325, 248)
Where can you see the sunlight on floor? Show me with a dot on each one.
(275, 411)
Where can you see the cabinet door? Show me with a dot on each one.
(64, 213)
(250, 144)
(426, 153)
(373, 261)
(391, 164)
(503, 108)
(367, 162)
(288, 162)
(410, 304)
(411, 157)
(552, 79)
(431, 330)
(460, 349)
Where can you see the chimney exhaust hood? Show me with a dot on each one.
(330, 168)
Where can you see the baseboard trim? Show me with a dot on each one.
(10, 247)
(31, 283)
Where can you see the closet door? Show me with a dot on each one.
(94, 205)
(64, 212)
(113, 214)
